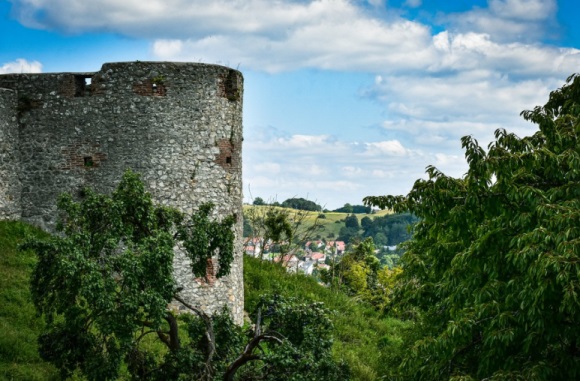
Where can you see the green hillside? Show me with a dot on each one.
(19, 359)
(330, 223)
(365, 340)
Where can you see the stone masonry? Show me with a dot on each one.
(178, 124)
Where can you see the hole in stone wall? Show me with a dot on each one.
(83, 85)
(231, 86)
(228, 160)
(88, 161)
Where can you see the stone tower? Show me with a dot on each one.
(177, 124)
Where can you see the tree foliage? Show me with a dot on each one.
(348, 235)
(359, 274)
(105, 281)
(104, 285)
(351, 221)
(396, 228)
(273, 227)
(348, 208)
(301, 204)
(259, 201)
(492, 271)
(298, 346)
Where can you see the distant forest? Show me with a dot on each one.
(304, 204)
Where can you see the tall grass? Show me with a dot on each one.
(364, 338)
(19, 325)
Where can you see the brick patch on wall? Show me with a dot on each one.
(83, 155)
(150, 88)
(229, 155)
(210, 271)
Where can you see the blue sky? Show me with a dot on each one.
(343, 99)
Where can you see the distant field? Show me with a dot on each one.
(330, 225)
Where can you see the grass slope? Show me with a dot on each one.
(364, 339)
(330, 226)
(19, 325)
(367, 341)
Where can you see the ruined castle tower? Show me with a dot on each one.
(177, 124)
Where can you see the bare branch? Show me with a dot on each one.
(209, 334)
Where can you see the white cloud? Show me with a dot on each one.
(469, 51)
(380, 173)
(523, 9)
(509, 20)
(376, 3)
(21, 66)
(182, 18)
(311, 170)
(168, 48)
(350, 170)
(472, 96)
(413, 3)
(267, 168)
(335, 176)
(306, 142)
(356, 42)
(388, 147)
(284, 35)
(258, 34)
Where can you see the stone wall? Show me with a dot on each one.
(9, 157)
(178, 124)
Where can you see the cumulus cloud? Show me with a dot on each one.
(257, 34)
(337, 42)
(304, 141)
(21, 66)
(469, 51)
(476, 96)
(324, 34)
(185, 18)
(334, 175)
(413, 3)
(267, 168)
(388, 147)
(509, 20)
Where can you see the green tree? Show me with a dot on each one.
(104, 284)
(366, 222)
(349, 209)
(105, 281)
(396, 227)
(283, 228)
(380, 239)
(296, 345)
(348, 234)
(301, 204)
(259, 201)
(492, 272)
(357, 270)
(351, 222)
